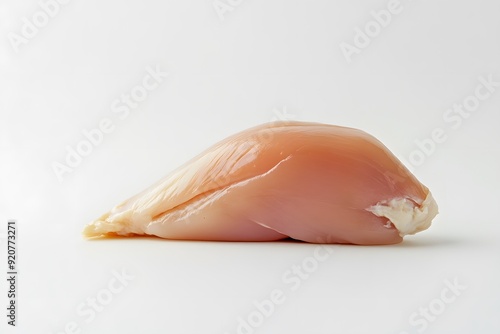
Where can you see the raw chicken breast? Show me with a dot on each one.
(313, 182)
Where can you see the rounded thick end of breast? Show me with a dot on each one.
(406, 215)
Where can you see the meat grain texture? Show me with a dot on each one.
(313, 182)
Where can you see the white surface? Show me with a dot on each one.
(266, 59)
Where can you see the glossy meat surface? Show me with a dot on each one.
(308, 181)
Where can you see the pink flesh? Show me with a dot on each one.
(307, 181)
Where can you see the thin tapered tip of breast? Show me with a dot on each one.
(105, 226)
(100, 227)
(92, 230)
(122, 223)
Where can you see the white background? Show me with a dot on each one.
(261, 61)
